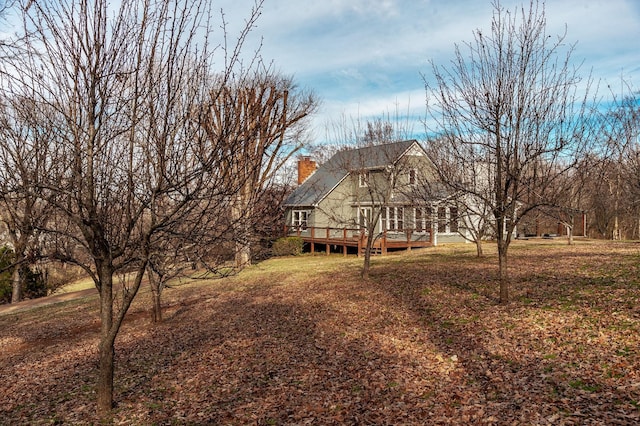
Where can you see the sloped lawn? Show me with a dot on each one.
(305, 341)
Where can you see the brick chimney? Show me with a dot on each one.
(306, 167)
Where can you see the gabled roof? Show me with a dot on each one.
(334, 171)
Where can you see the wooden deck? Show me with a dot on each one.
(357, 238)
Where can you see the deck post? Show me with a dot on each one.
(312, 240)
(384, 243)
(344, 242)
(327, 234)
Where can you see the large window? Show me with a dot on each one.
(299, 219)
(364, 217)
(448, 219)
(392, 218)
(422, 222)
(442, 219)
(453, 219)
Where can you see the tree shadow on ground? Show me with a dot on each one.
(523, 362)
(421, 342)
(261, 356)
(268, 359)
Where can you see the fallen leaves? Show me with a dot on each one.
(422, 342)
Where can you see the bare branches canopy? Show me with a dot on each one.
(110, 101)
(511, 118)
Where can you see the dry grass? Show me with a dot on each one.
(77, 285)
(305, 341)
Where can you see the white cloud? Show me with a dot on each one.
(362, 55)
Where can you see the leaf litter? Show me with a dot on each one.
(423, 341)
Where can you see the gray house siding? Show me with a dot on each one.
(335, 195)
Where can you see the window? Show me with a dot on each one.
(442, 219)
(448, 219)
(364, 217)
(422, 221)
(299, 219)
(384, 221)
(363, 179)
(453, 219)
(413, 176)
(392, 218)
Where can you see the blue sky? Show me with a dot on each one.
(364, 58)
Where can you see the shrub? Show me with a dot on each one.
(35, 283)
(287, 246)
(6, 259)
(5, 289)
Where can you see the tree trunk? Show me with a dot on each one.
(156, 283)
(105, 377)
(109, 327)
(243, 252)
(503, 246)
(241, 230)
(615, 234)
(157, 306)
(17, 284)
(367, 263)
(106, 346)
(366, 266)
(479, 251)
(503, 275)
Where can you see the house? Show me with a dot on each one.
(385, 192)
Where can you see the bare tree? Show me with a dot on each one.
(128, 159)
(512, 102)
(375, 191)
(369, 153)
(383, 194)
(264, 117)
(620, 130)
(567, 199)
(474, 203)
(24, 159)
(476, 219)
(610, 175)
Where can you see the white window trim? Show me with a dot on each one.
(363, 179)
(425, 220)
(300, 219)
(392, 219)
(367, 216)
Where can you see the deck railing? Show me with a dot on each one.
(357, 237)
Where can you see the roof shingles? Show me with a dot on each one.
(331, 173)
